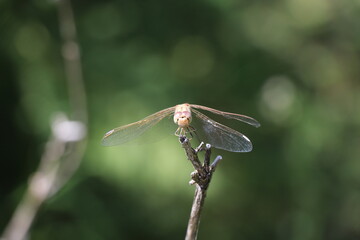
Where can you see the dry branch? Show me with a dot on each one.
(201, 177)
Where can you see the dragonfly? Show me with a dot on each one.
(208, 130)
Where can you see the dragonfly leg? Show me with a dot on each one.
(185, 131)
(189, 132)
(193, 133)
(191, 129)
(180, 132)
(177, 132)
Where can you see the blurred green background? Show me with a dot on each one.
(291, 64)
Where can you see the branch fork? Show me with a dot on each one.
(201, 178)
(203, 172)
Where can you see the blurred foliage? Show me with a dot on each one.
(291, 64)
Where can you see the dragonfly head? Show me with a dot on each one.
(182, 115)
(183, 119)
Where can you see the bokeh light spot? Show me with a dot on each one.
(104, 22)
(309, 13)
(31, 41)
(277, 98)
(269, 29)
(192, 58)
(320, 66)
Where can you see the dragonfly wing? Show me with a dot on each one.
(239, 117)
(128, 132)
(220, 136)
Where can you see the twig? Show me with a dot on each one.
(66, 145)
(201, 177)
(194, 220)
(39, 187)
(76, 88)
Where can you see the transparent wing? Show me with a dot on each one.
(235, 116)
(128, 132)
(220, 136)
